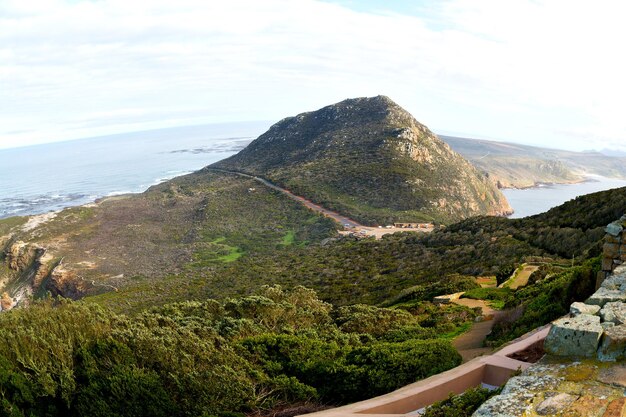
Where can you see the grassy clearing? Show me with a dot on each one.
(458, 331)
(233, 254)
(487, 282)
(7, 224)
(497, 297)
(289, 238)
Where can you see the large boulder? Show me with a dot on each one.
(576, 336)
(614, 229)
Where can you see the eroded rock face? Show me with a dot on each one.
(21, 256)
(576, 336)
(66, 282)
(43, 267)
(6, 302)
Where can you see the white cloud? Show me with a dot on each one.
(517, 70)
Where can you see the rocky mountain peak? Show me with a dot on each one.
(372, 154)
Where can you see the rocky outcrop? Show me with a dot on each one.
(551, 388)
(369, 159)
(614, 249)
(6, 302)
(598, 328)
(28, 264)
(20, 256)
(43, 267)
(66, 282)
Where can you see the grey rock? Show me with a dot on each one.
(614, 229)
(614, 312)
(582, 308)
(555, 404)
(576, 336)
(620, 270)
(614, 375)
(607, 324)
(605, 295)
(505, 405)
(614, 282)
(613, 345)
(531, 383)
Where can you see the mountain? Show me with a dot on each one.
(613, 152)
(369, 159)
(511, 165)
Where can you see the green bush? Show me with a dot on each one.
(544, 301)
(462, 405)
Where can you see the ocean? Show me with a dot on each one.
(42, 178)
(531, 201)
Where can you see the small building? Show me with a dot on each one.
(406, 225)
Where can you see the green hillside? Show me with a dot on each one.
(520, 166)
(369, 159)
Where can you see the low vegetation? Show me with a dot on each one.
(273, 349)
(547, 299)
(462, 405)
(186, 332)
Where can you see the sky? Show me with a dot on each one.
(547, 73)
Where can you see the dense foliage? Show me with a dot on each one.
(546, 299)
(346, 271)
(61, 358)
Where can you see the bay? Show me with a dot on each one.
(535, 200)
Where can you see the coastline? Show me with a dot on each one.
(541, 184)
(535, 200)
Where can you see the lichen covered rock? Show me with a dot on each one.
(614, 312)
(605, 295)
(613, 345)
(576, 336)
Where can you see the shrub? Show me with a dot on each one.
(462, 405)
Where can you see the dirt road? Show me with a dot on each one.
(351, 226)
(345, 221)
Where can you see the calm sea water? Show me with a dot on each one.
(540, 199)
(42, 178)
(38, 179)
